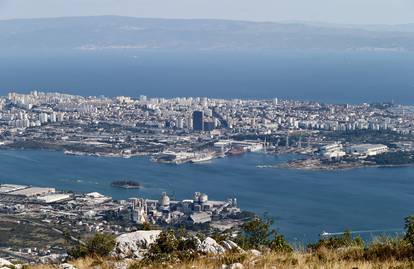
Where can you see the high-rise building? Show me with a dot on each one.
(198, 121)
(190, 123)
(179, 123)
(208, 126)
(43, 117)
(53, 117)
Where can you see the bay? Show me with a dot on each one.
(303, 203)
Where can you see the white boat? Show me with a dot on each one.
(323, 233)
(75, 153)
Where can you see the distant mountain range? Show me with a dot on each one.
(113, 32)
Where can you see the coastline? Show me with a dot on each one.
(65, 151)
(258, 190)
(336, 168)
(298, 164)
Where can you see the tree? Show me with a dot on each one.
(163, 248)
(279, 244)
(258, 233)
(172, 246)
(98, 245)
(101, 244)
(409, 229)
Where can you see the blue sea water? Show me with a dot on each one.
(348, 77)
(303, 203)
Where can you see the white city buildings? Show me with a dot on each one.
(367, 149)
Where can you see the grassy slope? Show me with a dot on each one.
(325, 260)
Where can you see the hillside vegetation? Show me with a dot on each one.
(257, 247)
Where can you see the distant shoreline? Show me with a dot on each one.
(286, 165)
(335, 168)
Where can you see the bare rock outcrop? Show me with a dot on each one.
(210, 246)
(5, 263)
(135, 244)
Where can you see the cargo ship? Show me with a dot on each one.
(236, 151)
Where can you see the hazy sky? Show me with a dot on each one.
(340, 11)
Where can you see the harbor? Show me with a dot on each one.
(220, 149)
(303, 203)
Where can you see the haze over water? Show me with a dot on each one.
(348, 77)
(303, 203)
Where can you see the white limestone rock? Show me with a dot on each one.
(135, 244)
(236, 266)
(120, 265)
(255, 252)
(232, 266)
(4, 262)
(210, 246)
(230, 245)
(67, 266)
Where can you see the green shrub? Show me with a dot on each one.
(257, 233)
(384, 248)
(163, 248)
(172, 246)
(279, 244)
(98, 245)
(78, 251)
(220, 236)
(101, 244)
(352, 253)
(409, 230)
(336, 242)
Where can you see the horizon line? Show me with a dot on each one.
(292, 21)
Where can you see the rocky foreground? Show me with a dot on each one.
(132, 249)
(257, 246)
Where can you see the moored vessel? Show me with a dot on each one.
(126, 184)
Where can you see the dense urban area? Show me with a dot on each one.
(191, 130)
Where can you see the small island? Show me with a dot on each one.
(126, 184)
